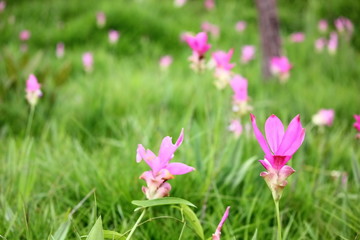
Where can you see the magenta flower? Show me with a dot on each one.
(344, 24)
(357, 125)
(113, 36)
(333, 43)
(33, 92)
(179, 3)
(199, 46)
(88, 61)
(239, 85)
(240, 26)
(165, 62)
(100, 19)
(24, 35)
(60, 50)
(279, 147)
(320, 43)
(210, 28)
(297, 37)
(161, 169)
(280, 66)
(323, 25)
(235, 127)
(222, 59)
(209, 4)
(2, 6)
(216, 235)
(325, 117)
(247, 53)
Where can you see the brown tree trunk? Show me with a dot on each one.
(269, 31)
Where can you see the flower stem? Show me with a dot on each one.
(278, 220)
(30, 119)
(136, 224)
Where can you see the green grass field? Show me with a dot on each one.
(86, 127)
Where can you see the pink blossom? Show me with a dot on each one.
(344, 24)
(247, 53)
(198, 43)
(280, 66)
(165, 62)
(333, 43)
(100, 19)
(239, 85)
(113, 36)
(2, 6)
(240, 26)
(323, 25)
(33, 91)
(179, 3)
(161, 169)
(279, 147)
(222, 59)
(216, 235)
(60, 50)
(24, 35)
(210, 28)
(297, 37)
(209, 4)
(88, 61)
(324, 117)
(236, 127)
(320, 43)
(357, 124)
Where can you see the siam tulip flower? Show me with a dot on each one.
(216, 235)
(2, 6)
(280, 66)
(100, 19)
(344, 26)
(199, 46)
(320, 44)
(209, 4)
(223, 67)
(235, 127)
(33, 91)
(210, 28)
(113, 36)
(60, 50)
(24, 35)
(88, 61)
(357, 125)
(240, 99)
(185, 35)
(240, 26)
(323, 25)
(279, 147)
(297, 37)
(179, 3)
(324, 117)
(161, 169)
(333, 43)
(165, 62)
(247, 53)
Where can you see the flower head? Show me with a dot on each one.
(60, 50)
(235, 127)
(100, 19)
(199, 46)
(113, 36)
(216, 235)
(240, 26)
(161, 169)
(247, 53)
(24, 35)
(240, 99)
(213, 29)
(320, 43)
(323, 25)
(297, 37)
(88, 61)
(165, 62)
(357, 125)
(222, 59)
(209, 4)
(33, 92)
(280, 66)
(333, 43)
(324, 117)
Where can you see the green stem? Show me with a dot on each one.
(278, 220)
(30, 119)
(136, 224)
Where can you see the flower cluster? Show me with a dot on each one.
(33, 91)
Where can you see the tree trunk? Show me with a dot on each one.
(269, 31)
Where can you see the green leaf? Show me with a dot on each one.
(62, 231)
(113, 235)
(255, 235)
(162, 201)
(96, 232)
(193, 220)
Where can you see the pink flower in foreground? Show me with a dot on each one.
(235, 127)
(100, 19)
(113, 36)
(320, 43)
(210, 28)
(209, 4)
(247, 53)
(323, 25)
(280, 66)
(333, 43)
(88, 61)
(357, 125)
(60, 50)
(179, 3)
(279, 147)
(161, 169)
(216, 235)
(24, 35)
(240, 26)
(297, 37)
(324, 117)
(33, 92)
(2, 6)
(165, 62)
(199, 46)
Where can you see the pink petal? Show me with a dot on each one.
(260, 137)
(280, 161)
(293, 138)
(149, 157)
(285, 172)
(179, 168)
(266, 164)
(274, 131)
(216, 235)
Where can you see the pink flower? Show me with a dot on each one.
(333, 43)
(113, 36)
(320, 44)
(240, 26)
(235, 127)
(344, 24)
(88, 61)
(323, 25)
(161, 169)
(357, 124)
(280, 66)
(216, 235)
(279, 147)
(179, 3)
(165, 62)
(33, 92)
(297, 37)
(239, 85)
(324, 117)
(198, 43)
(209, 4)
(247, 53)
(24, 35)
(60, 50)
(2, 6)
(210, 28)
(222, 59)
(100, 19)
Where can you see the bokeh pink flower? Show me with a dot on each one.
(235, 127)
(357, 125)
(297, 37)
(100, 19)
(179, 3)
(240, 26)
(2, 6)
(280, 67)
(222, 67)
(333, 43)
(323, 25)
(210, 28)
(209, 4)
(60, 50)
(320, 44)
(24, 35)
(165, 62)
(113, 36)
(88, 61)
(325, 117)
(33, 91)
(247, 53)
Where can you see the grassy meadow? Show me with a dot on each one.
(77, 161)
